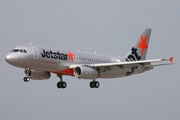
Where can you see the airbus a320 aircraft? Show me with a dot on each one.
(40, 62)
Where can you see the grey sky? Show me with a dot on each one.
(108, 27)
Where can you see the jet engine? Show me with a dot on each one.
(37, 75)
(86, 72)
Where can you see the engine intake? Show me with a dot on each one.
(86, 72)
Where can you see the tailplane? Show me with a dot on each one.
(139, 50)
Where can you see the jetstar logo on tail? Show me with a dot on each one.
(57, 55)
(134, 55)
(142, 45)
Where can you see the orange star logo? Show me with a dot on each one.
(142, 45)
(70, 56)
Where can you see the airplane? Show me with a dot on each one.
(40, 62)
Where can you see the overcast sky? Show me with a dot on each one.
(107, 26)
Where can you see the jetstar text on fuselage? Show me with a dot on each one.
(54, 55)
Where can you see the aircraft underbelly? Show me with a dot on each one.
(113, 73)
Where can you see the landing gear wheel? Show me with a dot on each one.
(94, 84)
(26, 79)
(61, 84)
(91, 84)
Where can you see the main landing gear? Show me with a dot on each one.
(94, 84)
(61, 83)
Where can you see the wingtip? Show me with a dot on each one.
(171, 59)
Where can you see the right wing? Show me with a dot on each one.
(142, 64)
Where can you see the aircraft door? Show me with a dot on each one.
(35, 53)
(77, 58)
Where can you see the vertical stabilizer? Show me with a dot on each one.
(139, 50)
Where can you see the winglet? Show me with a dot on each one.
(171, 59)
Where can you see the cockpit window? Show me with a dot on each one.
(19, 50)
(15, 50)
(25, 51)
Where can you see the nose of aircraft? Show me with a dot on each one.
(10, 58)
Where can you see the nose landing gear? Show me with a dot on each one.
(28, 73)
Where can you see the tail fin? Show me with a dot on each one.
(139, 50)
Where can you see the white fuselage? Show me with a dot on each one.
(58, 61)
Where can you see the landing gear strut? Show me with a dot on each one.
(61, 83)
(94, 84)
(27, 72)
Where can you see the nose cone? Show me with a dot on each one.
(10, 58)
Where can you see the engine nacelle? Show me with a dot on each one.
(86, 72)
(37, 75)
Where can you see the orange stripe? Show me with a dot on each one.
(64, 72)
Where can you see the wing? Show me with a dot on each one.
(140, 64)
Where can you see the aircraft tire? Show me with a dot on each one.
(59, 85)
(91, 84)
(63, 84)
(96, 84)
(26, 79)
